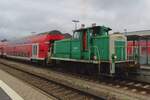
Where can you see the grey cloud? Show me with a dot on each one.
(21, 17)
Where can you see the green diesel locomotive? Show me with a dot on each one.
(96, 50)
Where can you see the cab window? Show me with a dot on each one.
(94, 31)
(76, 35)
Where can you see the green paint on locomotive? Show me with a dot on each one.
(92, 43)
(62, 48)
(101, 48)
(120, 50)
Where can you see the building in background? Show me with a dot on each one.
(139, 46)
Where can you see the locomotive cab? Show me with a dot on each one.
(85, 37)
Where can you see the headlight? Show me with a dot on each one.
(115, 57)
(94, 57)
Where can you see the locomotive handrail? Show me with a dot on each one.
(97, 51)
(98, 58)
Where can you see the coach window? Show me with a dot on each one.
(35, 50)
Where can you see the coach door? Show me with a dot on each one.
(35, 49)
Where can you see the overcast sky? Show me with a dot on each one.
(21, 17)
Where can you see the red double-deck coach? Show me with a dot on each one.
(33, 48)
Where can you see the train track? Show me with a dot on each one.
(130, 86)
(56, 90)
(126, 84)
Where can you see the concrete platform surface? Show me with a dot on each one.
(3, 95)
(12, 88)
(7, 93)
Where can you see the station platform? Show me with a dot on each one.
(12, 88)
